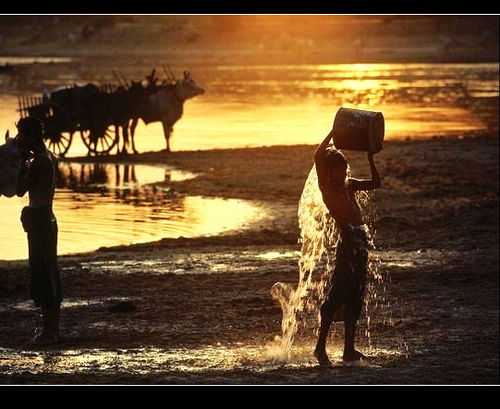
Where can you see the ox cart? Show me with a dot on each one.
(81, 109)
(98, 113)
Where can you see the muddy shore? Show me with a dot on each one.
(199, 311)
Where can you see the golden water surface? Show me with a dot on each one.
(246, 106)
(262, 105)
(108, 205)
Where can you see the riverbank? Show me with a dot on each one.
(199, 311)
(121, 43)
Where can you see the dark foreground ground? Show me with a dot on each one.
(199, 311)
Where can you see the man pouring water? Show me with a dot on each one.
(362, 131)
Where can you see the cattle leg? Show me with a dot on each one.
(133, 144)
(167, 131)
(125, 138)
(133, 125)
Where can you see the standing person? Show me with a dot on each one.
(37, 176)
(345, 296)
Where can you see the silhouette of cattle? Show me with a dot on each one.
(164, 103)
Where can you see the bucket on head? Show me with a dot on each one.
(358, 130)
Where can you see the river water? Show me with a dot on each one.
(262, 105)
(99, 205)
(244, 106)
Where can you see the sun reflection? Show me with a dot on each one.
(67, 303)
(33, 60)
(286, 104)
(119, 175)
(403, 264)
(155, 360)
(356, 85)
(273, 255)
(102, 205)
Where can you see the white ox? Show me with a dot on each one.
(8, 166)
(166, 105)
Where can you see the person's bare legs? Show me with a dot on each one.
(49, 333)
(327, 311)
(350, 353)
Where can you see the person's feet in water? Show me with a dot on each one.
(353, 356)
(44, 339)
(322, 358)
(48, 334)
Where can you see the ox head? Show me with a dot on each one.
(188, 87)
(136, 95)
(8, 166)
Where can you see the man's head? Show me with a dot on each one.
(29, 135)
(337, 166)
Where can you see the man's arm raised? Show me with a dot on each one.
(367, 184)
(320, 158)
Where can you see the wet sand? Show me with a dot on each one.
(199, 311)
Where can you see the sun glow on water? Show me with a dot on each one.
(111, 205)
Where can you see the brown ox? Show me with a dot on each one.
(166, 105)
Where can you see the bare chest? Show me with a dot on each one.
(342, 205)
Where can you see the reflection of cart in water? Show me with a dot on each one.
(129, 183)
(85, 109)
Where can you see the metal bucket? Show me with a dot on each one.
(358, 130)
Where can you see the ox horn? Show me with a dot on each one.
(7, 137)
(165, 72)
(171, 74)
(125, 81)
(117, 78)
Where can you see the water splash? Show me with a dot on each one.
(318, 238)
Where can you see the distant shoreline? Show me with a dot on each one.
(212, 39)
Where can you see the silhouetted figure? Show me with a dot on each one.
(165, 104)
(345, 296)
(37, 176)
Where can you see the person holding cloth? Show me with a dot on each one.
(37, 175)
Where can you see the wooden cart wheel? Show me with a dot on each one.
(59, 144)
(58, 130)
(100, 143)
